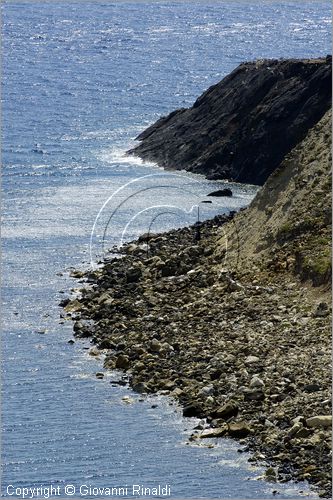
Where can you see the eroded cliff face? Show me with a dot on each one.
(287, 227)
(242, 127)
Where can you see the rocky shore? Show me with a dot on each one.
(235, 325)
(242, 127)
(249, 355)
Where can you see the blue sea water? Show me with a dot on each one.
(80, 81)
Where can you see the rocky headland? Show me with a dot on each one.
(242, 127)
(235, 325)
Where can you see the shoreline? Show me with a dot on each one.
(179, 322)
(231, 317)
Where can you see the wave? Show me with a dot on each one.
(119, 156)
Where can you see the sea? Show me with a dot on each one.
(80, 80)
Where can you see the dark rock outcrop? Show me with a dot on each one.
(221, 192)
(242, 127)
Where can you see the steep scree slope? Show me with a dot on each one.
(287, 227)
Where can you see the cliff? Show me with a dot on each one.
(242, 127)
(287, 227)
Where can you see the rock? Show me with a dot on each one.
(303, 433)
(320, 421)
(312, 388)
(132, 248)
(122, 362)
(77, 274)
(221, 192)
(256, 382)
(192, 411)
(270, 474)
(309, 469)
(253, 395)
(250, 360)
(99, 375)
(155, 345)
(213, 433)
(106, 344)
(118, 382)
(62, 303)
(239, 429)
(140, 387)
(144, 238)
(177, 393)
(294, 429)
(81, 330)
(299, 419)
(94, 352)
(71, 341)
(127, 400)
(110, 362)
(234, 286)
(105, 298)
(233, 130)
(154, 261)
(316, 439)
(207, 390)
(322, 310)
(227, 411)
(169, 268)
(133, 274)
(73, 306)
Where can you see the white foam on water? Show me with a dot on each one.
(118, 156)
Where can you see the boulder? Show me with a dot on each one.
(320, 421)
(239, 429)
(155, 345)
(73, 306)
(81, 330)
(140, 387)
(256, 382)
(122, 362)
(192, 411)
(169, 268)
(250, 360)
(253, 394)
(133, 274)
(213, 433)
(226, 411)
